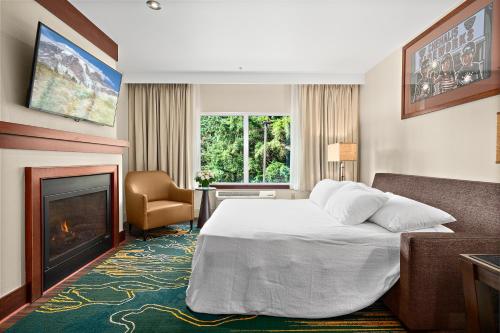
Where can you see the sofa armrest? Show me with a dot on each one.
(136, 206)
(180, 195)
(431, 293)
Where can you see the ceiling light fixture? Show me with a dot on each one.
(153, 4)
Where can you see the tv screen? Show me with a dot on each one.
(69, 81)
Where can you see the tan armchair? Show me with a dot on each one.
(153, 200)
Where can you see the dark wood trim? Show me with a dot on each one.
(252, 186)
(33, 220)
(70, 15)
(479, 92)
(122, 236)
(13, 301)
(498, 138)
(18, 136)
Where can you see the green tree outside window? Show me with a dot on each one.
(222, 148)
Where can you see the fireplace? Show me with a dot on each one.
(71, 218)
(76, 224)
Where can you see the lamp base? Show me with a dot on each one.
(342, 171)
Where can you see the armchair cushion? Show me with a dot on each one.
(164, 212)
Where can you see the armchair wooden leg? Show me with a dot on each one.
(191, 225)
(144, 235)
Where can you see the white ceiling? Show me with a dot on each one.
(248, 41)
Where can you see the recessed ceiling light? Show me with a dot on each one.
(153, 4)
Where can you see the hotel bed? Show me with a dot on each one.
(288, 258)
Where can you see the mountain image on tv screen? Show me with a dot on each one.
(69, 81)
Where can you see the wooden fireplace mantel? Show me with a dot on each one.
(33, 216)
(18, 136)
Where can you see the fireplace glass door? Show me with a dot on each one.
(77, 224)
(75, 221)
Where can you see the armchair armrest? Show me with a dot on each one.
(430, 292)
(180, 195)
(136, 205)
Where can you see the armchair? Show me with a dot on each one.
(153, 200)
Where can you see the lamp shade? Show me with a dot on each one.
(342, 152)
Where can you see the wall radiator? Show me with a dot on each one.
(239, 194)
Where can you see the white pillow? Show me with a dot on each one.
(403, 214)
(354, 204)
(323, 190)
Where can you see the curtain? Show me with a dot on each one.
(196, 114)
(295, 139)
(329, 114)
(160, 130)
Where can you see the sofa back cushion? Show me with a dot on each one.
(475, 205)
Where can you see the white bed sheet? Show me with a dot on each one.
(288, 258)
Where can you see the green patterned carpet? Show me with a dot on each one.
(142, 289)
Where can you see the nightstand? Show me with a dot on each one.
(480, 276)
(205, 211)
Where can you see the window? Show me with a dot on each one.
(222, 147)
(246, 148)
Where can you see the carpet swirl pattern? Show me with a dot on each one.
(141, 288)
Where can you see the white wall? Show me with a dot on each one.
(122, 134)
(19, 24)
(19, 21)
(458, 142)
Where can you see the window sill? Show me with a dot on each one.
(252, 186)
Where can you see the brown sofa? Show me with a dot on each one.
(429, 293)
(153, 200)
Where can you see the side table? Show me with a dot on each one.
(480, 276)
(205, 212)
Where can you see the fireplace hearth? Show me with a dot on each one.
(76, 223)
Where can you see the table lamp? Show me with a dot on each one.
(340, 152)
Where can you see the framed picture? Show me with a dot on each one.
(455, 61)
(498, 137)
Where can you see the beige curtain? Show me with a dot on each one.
(329, 114)
(160, 129)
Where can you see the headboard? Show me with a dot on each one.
(475, 205)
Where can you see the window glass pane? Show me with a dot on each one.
(222, 147)
(269, 149)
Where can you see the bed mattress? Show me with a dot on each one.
(288, 258)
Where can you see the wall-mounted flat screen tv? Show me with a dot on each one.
(71, 82)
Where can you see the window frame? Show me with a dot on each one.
(245, 183)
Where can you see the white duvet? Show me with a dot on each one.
(288, 258)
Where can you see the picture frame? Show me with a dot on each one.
(498, 138)
(455, 61)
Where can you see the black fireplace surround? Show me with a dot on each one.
(76, 213)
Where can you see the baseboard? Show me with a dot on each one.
(13, 301)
